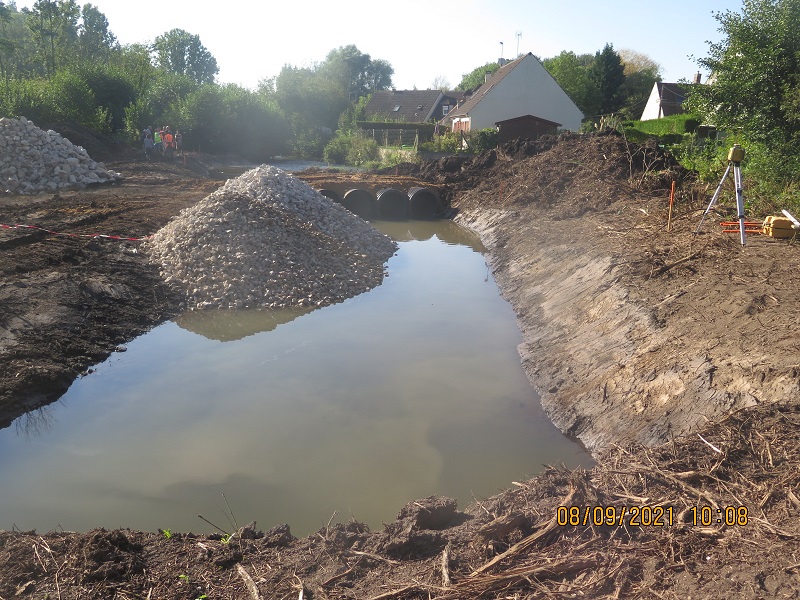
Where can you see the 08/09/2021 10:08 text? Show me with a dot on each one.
(649, 516)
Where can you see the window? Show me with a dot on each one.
(396, 108)
(445, 109)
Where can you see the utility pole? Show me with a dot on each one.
(519, 35)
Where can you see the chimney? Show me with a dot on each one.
(487, 76)
(697, 77)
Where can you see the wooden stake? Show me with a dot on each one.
(671, 200)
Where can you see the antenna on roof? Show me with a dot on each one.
(519, 35)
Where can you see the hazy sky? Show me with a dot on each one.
(422, 40)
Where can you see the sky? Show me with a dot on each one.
(423, 40)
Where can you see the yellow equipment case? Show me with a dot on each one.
(777, 227)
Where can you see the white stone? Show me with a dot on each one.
(44, 161)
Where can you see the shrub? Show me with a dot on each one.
(335, 151)
(351, 150)
(485, 139)
(448, 142)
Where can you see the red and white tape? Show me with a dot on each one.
(84, 235)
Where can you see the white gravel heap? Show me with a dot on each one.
(34, 161)
(268, 240)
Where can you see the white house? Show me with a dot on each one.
(666, 99)
(522, 87)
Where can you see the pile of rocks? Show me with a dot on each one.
(33, 160)
(268, 240)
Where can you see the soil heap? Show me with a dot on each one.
(268, 240)
(33, 160)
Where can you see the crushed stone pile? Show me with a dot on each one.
(268, 240)
(33, 160)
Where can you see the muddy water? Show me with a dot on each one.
(412, 389)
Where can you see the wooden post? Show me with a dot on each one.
(671, 200)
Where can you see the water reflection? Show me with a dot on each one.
(230, 325)
(411, 389)
(445, 230)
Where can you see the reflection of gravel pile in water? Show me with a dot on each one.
(268, 240)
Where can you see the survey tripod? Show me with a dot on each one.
(735, 158)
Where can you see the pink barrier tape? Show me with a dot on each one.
(83, 235)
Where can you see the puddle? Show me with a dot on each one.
(412, 389)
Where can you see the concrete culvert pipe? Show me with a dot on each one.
(424, 203)
(332, 194)
(392, 204)
(360, 202)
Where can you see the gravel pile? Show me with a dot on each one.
(268, 240)
(33, 160)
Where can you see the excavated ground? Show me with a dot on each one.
(673, 356)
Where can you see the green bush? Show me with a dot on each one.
(112, 90)
(362, 151)
(448, 142)
(335, 152)
(351, 150)
(64, 98)
(485, 139)
(674, 125)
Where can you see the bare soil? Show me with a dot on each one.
(673, 356)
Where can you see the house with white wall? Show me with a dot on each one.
(666, 99)
(520, 88)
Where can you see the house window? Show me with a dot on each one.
(445, 109)
(396, 108)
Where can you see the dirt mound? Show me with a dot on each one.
(576, 172)
(712, 513)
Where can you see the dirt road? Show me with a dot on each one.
(634, 335)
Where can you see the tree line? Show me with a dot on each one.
(60, 62)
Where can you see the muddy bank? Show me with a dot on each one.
(633, 333)
(607, 369)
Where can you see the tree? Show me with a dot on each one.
(54, 26)
(477, 76)
(7, 46)
(571, 72)
(608, 75)
(440, 83)
(755, 84)
(356, 71)
(94, 36)
(312, 100)
(112, 89)
(202, 116)
(641, 72)
(255, 128)
(134, 61)
(180, 52)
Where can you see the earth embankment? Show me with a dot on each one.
(633, 334)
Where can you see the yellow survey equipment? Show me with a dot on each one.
(777, 227)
